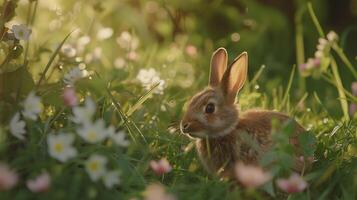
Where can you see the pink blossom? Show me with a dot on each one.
(156, 191)
(8, 177)
(160, 167)
(251, 176)
(191, 50)
(69, 97)
(295, 183)
(354, 89)
(40, 184)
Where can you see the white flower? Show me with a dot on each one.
(332, 36)
(83, 115)
(119, 63)
(95, 166)
(32, 106)
(94, 56)
(82, 43)
(149, 77)
(60, 146)
(17, 127)
(127, 41)
(68, 50)
(105, 33)
(119, 138)
(21, 32)
(74, 75)
(93, 133)
(111, 178)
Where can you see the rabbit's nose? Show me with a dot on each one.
(185, 126)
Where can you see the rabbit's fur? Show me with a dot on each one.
(220, 130)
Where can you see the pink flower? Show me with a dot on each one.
(157, 192)
(40, 184)
(295, 183)
(8, 177)
(69, 97)
(354, 89)
(191, 50)
(251, 176)
(160, 167)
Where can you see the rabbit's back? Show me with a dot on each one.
(246, 143)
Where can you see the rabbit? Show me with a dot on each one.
(213, 119)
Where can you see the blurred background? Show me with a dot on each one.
(177, 38)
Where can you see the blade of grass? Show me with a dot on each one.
(257, 75)
(345, 60)
(142, 99)
(315, 20)
(43, 75)
(341, 93)
(287, 91)
(329, 80)
(299, 41)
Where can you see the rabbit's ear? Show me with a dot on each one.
(234, 77)
(218, 66)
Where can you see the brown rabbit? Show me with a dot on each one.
(213, 118)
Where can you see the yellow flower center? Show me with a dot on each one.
(58, 147)
(92, 136)
(93, 166)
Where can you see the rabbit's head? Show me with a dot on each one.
(212, 112)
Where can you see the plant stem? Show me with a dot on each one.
(314, 19)
(345, 60)
(341, 93)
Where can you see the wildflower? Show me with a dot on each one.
(251, 176)
(105, 33)
(295, 183)
(119, 63)
(191, 50)
(354, 89)
(111, 178)
(132, 55)
(21, 32)
(157, 192)
(8, 177)
(74, 75)
(93, 133)
(148, 77)
(68, 51)
(95, 166)
(94, 56)
(332, 36)
(17, 126)
(310, 65)
(40, 184)
(118, 138)
(60, 146)
(127, 41)
(85, 113)
(69, 97)
(160, 167)
(32, 106)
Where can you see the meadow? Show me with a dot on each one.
(92, 94)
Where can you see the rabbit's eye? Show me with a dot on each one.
(209, 108)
